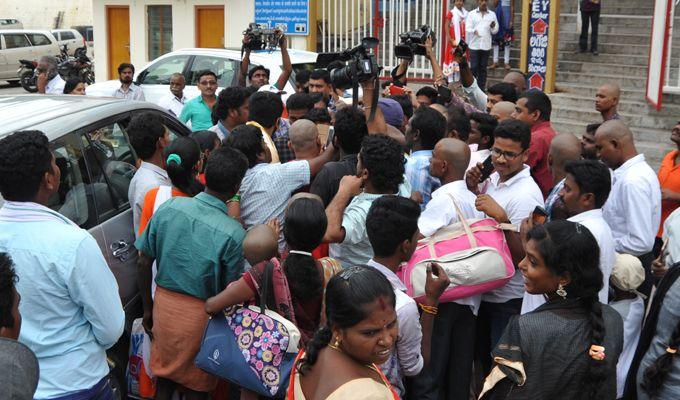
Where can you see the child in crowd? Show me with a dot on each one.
(626, 277)
(455, 18)
(502, 40)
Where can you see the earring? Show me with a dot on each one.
(335, 345)
(561, 292)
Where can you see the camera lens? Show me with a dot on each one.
(342, 77)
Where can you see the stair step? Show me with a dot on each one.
(632, 94)
(637, 106)
(651, 124)
(599, 79)
(615, 38)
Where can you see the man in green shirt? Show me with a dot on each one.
(198, 251)
(199, 109)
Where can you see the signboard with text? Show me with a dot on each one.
(537, 58)
(291, 16)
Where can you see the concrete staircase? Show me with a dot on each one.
(624, 40)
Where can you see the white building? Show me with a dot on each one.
(138, 31)
(41, 14)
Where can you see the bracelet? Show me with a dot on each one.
(429, 309)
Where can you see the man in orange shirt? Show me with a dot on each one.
(669, 179)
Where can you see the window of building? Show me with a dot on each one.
(159, 30)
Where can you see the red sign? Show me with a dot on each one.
(536, 82)
(539, 27)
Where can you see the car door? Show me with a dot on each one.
(16, 47)
(111, 164)
(42, 45)
(155, 79)
(226, 70)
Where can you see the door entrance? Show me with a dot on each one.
(118, 37)
(210, 27)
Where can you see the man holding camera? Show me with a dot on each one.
(480, 25)
(259, 76)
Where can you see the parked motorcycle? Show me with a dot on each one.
(79, 66)
(27, 76)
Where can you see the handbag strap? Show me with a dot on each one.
(464, 222)
(266, 283)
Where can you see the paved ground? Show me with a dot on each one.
(6, 89)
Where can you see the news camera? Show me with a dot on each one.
(411, 42)
(261, 38)
(361, 66)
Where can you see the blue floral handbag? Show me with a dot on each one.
(251, 346)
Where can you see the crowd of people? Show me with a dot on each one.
(333, 203)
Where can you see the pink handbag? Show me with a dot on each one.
(473, 253)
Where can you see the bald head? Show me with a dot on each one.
(516, 79)
(304, 139)
(502, 110)
(615, 130)
(615, 143)
(450, 160)
(607, 100)
(564, 148)
(260, 244)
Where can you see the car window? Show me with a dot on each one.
(224, 68)
(111, 163)
(67, 35)
(74, 198)
(160, 72)
(38, 39)
(16, 40)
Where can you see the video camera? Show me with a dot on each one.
(361, 66)
(411, 43)
(262, 38)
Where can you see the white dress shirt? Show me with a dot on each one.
(134, 92)
(633, 209)
(55, 85)
(671, 229)
(478, 30)
(518, 196)
(172, 103)
(478, 156)
(147, 177)
(632, 311)
(406, 358)
(440, 212)
(596, 224)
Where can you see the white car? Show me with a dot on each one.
(23, 44)
(154, 78)
(69, 37)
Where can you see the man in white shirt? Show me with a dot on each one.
(480, 25)
(128, 90)
(149, 137)
(633, 210)
(174, 101)
(586, 187)
(509, 195)
(392, 227)
(49, 81)
(454, 327)
(482, 126)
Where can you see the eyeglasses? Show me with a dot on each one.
(208, 83)
(508, 155)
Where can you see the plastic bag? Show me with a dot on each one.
(139, 378)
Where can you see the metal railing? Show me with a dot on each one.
(345, 22)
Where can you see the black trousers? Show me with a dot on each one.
(588, 18)
(491, 323)
(449, 373)
(479, 60)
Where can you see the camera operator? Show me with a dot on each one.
(259, 76)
